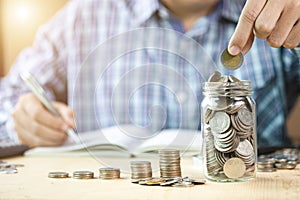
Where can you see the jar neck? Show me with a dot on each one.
(232, 89)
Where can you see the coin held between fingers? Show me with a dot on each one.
(231, 62)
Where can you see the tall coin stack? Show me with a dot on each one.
(141, 169)
(169, 162)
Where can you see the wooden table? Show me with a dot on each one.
(32, 182)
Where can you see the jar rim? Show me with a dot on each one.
(241, 88)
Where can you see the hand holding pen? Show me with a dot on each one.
(39, 122)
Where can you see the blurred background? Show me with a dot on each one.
(19, 21)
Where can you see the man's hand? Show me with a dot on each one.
(277, 21)
(36, 126)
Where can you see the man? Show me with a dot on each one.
(65, 43)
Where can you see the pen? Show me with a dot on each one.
(39, 92)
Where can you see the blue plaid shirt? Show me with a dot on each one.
(129, 61)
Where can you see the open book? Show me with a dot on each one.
(127, 139)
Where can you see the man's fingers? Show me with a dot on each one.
(40, 114)
(245, 26)
(31, 140)
(284, 25)
(36, 129)
(293, 40)
(280, 32)
(268, 18)
(66, 112)
(248, 44)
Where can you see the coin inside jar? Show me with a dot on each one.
(231, 62)
(58, 175)
(234, 168)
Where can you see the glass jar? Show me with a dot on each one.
(229, 130)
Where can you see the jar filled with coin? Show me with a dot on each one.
(229, 129)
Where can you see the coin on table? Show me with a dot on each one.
(183, 184)
(9, 171)
(58, 175)
(83, 175)
(267, 169)
(109, 173)
(234, 168)
(231, 62)
(152, 182)
(170, 182)
(194, 181)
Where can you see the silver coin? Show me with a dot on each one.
(267, 169)
(246, 117)
(214, 77)
(220, 122)
(235, 107)
(208, 115)
(183, 184)
(219, 103)
(285, 166)
(169, 182)
(245, 149)
(233, 79)
(9, 171)
(140, 163)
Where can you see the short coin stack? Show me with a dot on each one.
(140, 170)
(286, 158)
(83, 175)
(109, 173)
(58, 175)
(169, 162)
(229, 132)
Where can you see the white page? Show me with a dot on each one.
(187, 141)
(129, 138)
(123, 138)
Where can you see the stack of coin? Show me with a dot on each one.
(141, 169)
(229, 130)
(213, 162)
(286, 158)
(169, 162)
(109, 173)
(58, 175)
(266, 165)
(83, 175)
